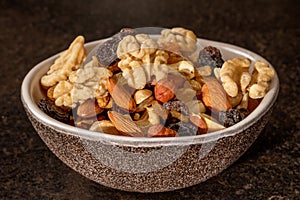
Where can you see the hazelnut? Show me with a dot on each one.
(164, 90)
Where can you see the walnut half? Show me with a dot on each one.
(70, 60)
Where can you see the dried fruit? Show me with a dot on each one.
(48, 106)
(214, 96)
(210, 56)
(164, 90)
(159, 130)
(107, 52)
(232, 116)
(89, 108)
(176, 105)
(121, 96)
(184, 129)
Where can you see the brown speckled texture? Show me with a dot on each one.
(190, 167)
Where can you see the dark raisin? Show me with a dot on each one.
(184, 129)
(232, 116)
(107, 52)
(177, 105)
(174, 126)
(48, 106)
(210, 56)
(126, 31)
(172, 120)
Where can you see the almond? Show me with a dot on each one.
(125, 124)
(121, 96)
(200, 122)
(104, 126)
(89, 108)
(212, 124)
(164, 90)
(159, 130)
(214, 96)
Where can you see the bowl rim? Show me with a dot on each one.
(252, 118)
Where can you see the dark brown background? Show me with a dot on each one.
(31, 31)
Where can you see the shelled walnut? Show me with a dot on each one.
(69, 61)
(179, 38)
(261, 78)
(235, 75)
(84, 83)
(135, 49)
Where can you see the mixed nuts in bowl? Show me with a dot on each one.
(142, 112)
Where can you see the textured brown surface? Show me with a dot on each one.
(32, 31)
(192, 164)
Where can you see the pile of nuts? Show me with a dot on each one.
(141, 87)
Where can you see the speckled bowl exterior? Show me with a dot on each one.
(146, 164)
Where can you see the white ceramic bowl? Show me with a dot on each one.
(146, 164)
